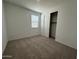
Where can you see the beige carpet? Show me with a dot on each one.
(38, 47)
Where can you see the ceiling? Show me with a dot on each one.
(37, 5)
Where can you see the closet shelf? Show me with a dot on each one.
(54, 22)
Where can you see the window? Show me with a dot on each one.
(35, 21)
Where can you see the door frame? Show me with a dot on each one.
(50, 24)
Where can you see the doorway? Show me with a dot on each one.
(53, 23)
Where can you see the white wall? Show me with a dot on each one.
(66, 31)
(19, 22)
(4, 30)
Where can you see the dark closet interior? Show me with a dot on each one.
(53, 23)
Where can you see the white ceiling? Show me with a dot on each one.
(37, 5)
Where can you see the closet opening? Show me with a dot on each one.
(53, 23)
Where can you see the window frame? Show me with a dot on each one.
(32, 21)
